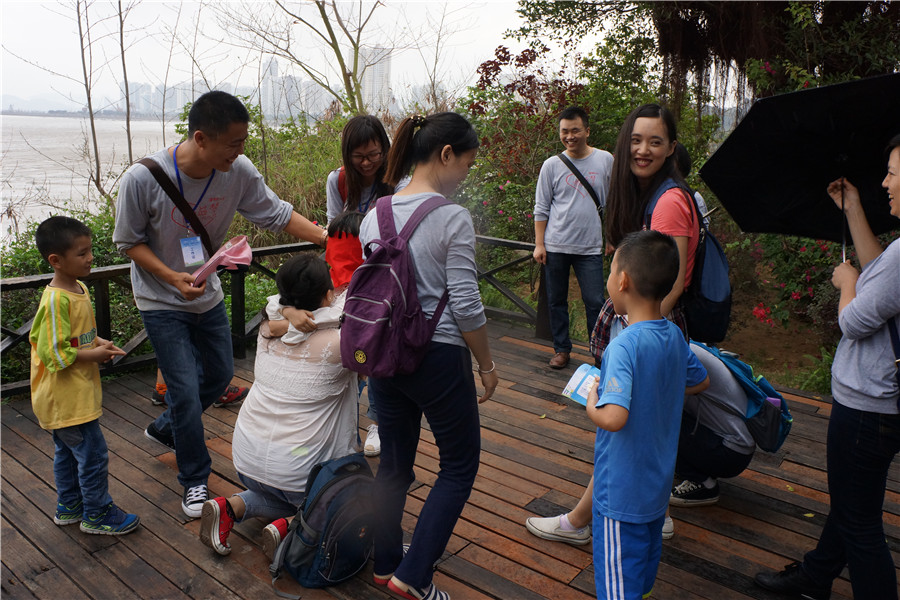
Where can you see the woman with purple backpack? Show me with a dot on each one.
(439, 149)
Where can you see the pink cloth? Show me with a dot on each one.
(673, 215)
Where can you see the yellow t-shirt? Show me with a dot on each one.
(64, 393)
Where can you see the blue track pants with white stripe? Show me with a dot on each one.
(626, 557)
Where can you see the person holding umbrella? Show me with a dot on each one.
(864, 429)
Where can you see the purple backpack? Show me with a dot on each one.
(384, 331)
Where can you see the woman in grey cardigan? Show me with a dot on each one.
(864, 430)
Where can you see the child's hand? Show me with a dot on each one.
(103, 351)
(302, 320)
(593, 396)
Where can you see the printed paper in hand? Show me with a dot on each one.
(580, 384)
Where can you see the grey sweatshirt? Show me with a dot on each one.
(573, 224)
(863, 375)
(443, 251)
(146, 215)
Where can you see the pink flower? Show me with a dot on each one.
(501, 185)
(802, 248)
(500, 212)
(795, 295)
(806, 84)
(781, 285)
(528, 216)
(510, 218)
(484, 203)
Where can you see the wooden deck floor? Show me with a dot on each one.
(536, 459)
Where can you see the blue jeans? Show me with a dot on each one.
(443, 389)
(372, 413)
(267, 502)
(193, 351)
(589, 272)
(860, 446)
(80, 467)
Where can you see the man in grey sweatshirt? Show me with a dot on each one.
(568, 233)
(187, 325)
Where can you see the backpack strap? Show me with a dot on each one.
(388, 229)
(342, 184)
(178, 199)
(278, 559)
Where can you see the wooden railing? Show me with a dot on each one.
(242, 328)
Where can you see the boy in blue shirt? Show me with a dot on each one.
(645, 373)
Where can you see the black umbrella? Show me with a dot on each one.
(772, 171)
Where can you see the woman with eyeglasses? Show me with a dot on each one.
(360, 181)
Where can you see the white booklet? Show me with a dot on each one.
(580, 384)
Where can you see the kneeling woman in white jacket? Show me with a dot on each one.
(301, 410)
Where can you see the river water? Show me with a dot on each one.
(44, 162)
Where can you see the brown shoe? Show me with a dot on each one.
(559, 360)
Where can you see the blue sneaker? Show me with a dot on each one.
(112, 521)
(68, 515)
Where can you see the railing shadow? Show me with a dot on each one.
(242, 327)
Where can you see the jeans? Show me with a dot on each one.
(372, 413)
(267, 502)
(443, 389)
(80, 467)
(589, 272)
(860, 446)
(193, 351)
(701, 453)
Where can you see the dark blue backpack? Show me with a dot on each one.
(768, 424)
(707, 301)
(330, 538)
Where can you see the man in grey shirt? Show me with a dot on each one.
(568, 232)
(187, 325)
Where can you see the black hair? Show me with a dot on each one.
(572, 112)
(894, 143)
(651, 260)
(303, 281)
(214, 112)
(683, 160)
(346, 223)
(419, 138)
(359, 131)
(57, 234)
(627, 202)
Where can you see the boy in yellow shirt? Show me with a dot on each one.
(65, 382)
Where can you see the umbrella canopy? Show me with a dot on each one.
(771, 173)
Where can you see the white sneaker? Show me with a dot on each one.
(373, 442)
(549, 528)
(668, 529)
(193, 500)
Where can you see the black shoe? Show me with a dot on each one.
(691, 493)
(793, 580)
(152, 433)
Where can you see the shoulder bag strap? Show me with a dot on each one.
(178, 199)
(584, 182)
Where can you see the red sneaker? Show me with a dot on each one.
(233, 395)
(273, 533)
(215, 525)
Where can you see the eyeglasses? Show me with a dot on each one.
(372, 157)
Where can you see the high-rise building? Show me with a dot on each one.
(376, 78)
(270, 90)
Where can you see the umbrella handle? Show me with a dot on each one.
(843, 226)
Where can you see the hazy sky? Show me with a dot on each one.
(46, 34)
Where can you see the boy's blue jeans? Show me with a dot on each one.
(193, 351)
(80, 467)
(861, 446)
(589, 272)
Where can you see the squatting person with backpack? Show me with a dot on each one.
(440, 148)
